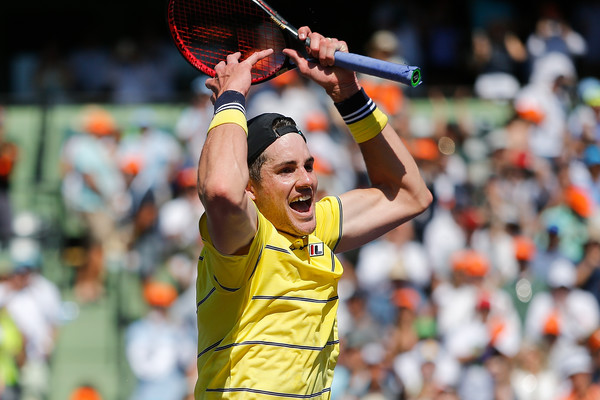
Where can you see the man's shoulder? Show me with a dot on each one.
(329, 205)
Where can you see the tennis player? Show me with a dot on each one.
(267, 276)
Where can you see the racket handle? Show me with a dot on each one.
(405, 74)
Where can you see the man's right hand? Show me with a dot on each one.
(339, 83)
(233, 74)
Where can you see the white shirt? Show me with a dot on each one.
(36, 312)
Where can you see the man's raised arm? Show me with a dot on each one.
(398, 192)
(222, 168)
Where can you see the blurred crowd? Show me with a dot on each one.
(493, 293)
(453, 42)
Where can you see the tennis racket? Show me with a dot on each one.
(206, 31)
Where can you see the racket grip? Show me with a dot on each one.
(405, 74)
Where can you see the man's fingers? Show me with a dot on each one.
(304, 32)
(259, 55)
(316, 42)
(324, 48)
(297, 59)
(327, 49)
(220, 65)
(231, 58)
(212, 84)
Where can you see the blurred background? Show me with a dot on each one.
(437, 36)
(493, 293)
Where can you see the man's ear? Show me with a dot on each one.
(251, 190)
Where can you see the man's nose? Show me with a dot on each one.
(306, 178)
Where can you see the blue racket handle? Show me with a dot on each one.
(405, 74)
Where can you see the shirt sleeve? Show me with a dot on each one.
(231, 272)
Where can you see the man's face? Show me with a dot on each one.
(286, 193)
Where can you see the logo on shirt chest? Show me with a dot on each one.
(316, 249)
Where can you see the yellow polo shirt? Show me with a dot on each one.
(267, 324)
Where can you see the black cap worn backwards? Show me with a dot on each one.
(261, 133)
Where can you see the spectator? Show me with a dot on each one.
(444, 40)
(586, 14)
(542, 101)
(384, 45)
(182, 271)
(34, 304)
(455, 298)
(576, 368)
(549, 250)
(497, 242)
(584, 119)
(591, 159)
(443, 235)
(588, 269)
(394, 260)
(474, 317)
(93, 189)
(500, 366)
(90, 62)
(520, 181)
(351, 377)
(8, 158)
(498, 58)
(158, 351)
(404, 334)
(147, 248)
(427, 370)
(12, 343)
(53, 79)
(576, 311)
(177, 217)
(162, 63)
(362, 326)
(525, 284)
(554, 34)
(405, 21)
(192, 124)
(532, 377)
(570, 214)
(158, 151)
(140, 72)
(593, 344)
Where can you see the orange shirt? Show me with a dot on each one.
(385, 94)
(593, 393)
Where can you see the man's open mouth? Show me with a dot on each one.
(301, 204)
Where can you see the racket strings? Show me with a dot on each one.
(207, 31)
